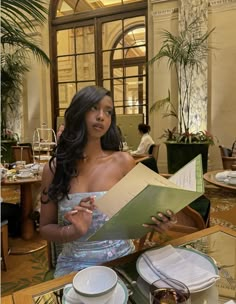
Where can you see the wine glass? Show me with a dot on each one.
(169, 291)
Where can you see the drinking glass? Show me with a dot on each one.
(169, 291)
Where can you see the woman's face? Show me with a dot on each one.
(98, 118)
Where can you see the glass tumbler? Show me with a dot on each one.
(169, 291)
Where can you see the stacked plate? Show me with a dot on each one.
(196, 270)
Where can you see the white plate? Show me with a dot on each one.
(120, 294)
(200, 260)
(30, 175)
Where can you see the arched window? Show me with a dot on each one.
(99, 42)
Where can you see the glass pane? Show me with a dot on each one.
(119, 110)
(84, 39)
(118, 72)
(65, 42)
(71, 90)
(64, 9)
(110, 2)
(107, 84)
(129, 1)
(106, 64)
(108, 31)
(72, 7)
(81, 85)
(131, 71)
(84, 6)
(85, 67)
(118, 90)
(66, 68)
(118, 54)
(139, 21)
(135, 52)
(66, 91)
(61, 112)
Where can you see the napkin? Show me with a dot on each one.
(221, 176)
(170, 263)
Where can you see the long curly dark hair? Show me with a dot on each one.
(73, 140)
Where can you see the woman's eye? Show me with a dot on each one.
(94, 108)
(109, 112)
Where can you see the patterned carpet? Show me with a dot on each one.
(29, 269)
(223, 206)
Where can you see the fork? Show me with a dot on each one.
(163, 277)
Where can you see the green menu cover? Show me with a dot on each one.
(141, 194)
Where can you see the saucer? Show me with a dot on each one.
(120, 294)
(24, 175)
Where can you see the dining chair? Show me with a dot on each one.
(154, 150)
(4, 244)
(24, 153)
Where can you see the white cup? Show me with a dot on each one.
(92, 285)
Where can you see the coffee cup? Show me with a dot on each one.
(92, 285)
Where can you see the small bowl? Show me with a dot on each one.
(95, 285)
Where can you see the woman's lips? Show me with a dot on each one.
(98, 126)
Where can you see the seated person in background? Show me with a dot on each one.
(123, 143)
(60, 130)
(146, 140)
(86, 164)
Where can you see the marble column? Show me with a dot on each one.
(189, 11)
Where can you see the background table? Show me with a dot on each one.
(27, 224)
(210, 177)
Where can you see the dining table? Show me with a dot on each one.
(210, 177)
(216, 244)
(26, 201)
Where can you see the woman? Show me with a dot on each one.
(87, 163)
(146, 140)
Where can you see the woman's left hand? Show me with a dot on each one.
(162, 222)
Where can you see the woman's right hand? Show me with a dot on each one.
(81, 216)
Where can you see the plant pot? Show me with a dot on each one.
(179, 155)
(6, 150)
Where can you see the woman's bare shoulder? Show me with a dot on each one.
(125, 161)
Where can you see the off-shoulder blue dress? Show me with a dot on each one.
(80, 253)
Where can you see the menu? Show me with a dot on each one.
(141, 194)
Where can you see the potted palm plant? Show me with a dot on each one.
(184, 53)
(18, 20)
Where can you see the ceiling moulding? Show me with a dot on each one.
(221, 5)
(171, 13)
(221, 2)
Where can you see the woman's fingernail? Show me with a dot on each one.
(74, 212)
(88, 211)
(170, 213)
(160, 214)
(145, 225)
